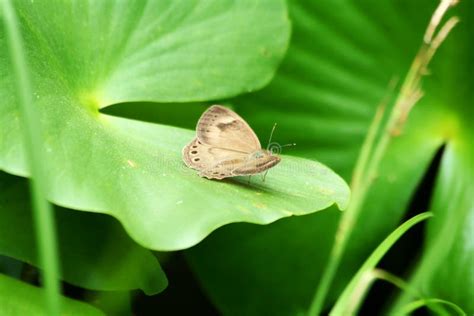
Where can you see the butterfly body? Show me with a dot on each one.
(225, 146)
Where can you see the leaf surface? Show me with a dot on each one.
(87, 55)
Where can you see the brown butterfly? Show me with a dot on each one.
(225, 146)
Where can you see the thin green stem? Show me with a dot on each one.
(32, 138)
(367, 147)
(403, 285)
(359, 171)
(359, 189)
(368, 164)
(347, 221)
(395, 280)
(411, 307)
(346, 302)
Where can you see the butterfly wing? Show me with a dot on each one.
(223, 128)
(223, 144)
(212, 162)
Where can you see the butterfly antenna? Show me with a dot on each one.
(271, 134)
(286, 145)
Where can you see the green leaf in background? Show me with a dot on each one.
(87, 55)
(95, 252)
(341, 59)
(447, 269)
(18, 298)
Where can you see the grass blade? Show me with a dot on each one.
(346, 305)
(428, 302)
(32, 139)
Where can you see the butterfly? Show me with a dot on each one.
(225, 146)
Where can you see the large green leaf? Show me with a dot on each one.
(342, 56)
(95, 252)
(87, 55)
(18, 298)
(446, 271)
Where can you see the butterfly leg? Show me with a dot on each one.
(264, 175)
(248, 182)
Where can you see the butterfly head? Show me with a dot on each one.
(264, 154)
(264, 159)
(275, 148)
(259, 154)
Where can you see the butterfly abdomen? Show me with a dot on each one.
(257, 166)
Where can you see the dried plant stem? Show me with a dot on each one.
(42, 211)
(368, 144)
(372, 152)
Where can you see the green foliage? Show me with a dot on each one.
(18, 298)
(115, 82)
(95, 252)
(129, 169)
(133, 170)
(338, 68)
(446, 270)
(349, 300)
(32, 139)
